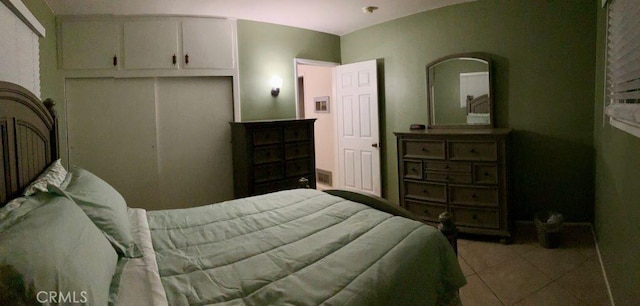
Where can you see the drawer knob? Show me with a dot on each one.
(426, 212)
(473, 151)
(424, 191)
(268, 154)
(424, 149)
(486, 174)
(297, 151)
(446, 166)
(413, 169)
(474, 217)
(475, 196)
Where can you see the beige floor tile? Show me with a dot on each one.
(475, 292)
(555, 262)
(579, 238)
(483, 255)
(514, 280)
(551, 295)
(587, 283)
(466, 269)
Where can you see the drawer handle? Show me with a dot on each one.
(425, 191)
(297, 151)
(426, 212)
(413, 169)
(486, 174)
(446, 166)
(424, 149)
(475, 196)
(268, 154)
(474, 217)
(473, 151)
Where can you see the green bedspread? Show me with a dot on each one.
(300, 247)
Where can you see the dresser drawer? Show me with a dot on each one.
(476, 217)
(470, 195)
(267, 154)
(426, 211)
(429, 149)
(473, 150)
(296, 133)
(267, 136)
(297, 150)
(297, 167)
(426, 191)
(412, 169)
(445, 166)
(268, 172)
(461, 178)
(485, 174)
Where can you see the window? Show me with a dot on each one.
(623, 65)
(19, 50)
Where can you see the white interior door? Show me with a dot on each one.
(358, 131)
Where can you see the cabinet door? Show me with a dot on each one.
(111, 126)
(208, 43)
(89, 44)
(151, 44)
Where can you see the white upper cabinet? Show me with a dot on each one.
(207, 43)
(89, 44)
(151, 44)
(146, 46)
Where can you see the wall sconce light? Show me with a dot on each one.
(276, 84)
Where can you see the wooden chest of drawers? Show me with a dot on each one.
(270, 156)
(460, 171)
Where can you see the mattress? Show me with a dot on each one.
(297, 247)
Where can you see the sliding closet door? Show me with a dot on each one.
(194, 140)
(112, 133)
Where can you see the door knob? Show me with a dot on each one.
(375, 145)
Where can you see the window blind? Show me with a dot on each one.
(19, 52)
(623, 61)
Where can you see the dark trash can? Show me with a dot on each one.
(549, 226)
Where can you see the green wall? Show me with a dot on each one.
(617, 197)
(267, 49)
(543, 58)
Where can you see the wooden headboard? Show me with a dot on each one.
(28, 139)
(479, 105)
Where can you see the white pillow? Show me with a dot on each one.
(54, 175)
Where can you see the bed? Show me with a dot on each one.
(67, 237)
(478, 110)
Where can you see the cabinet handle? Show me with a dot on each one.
(175, 59)
(186, 58)
(486, 174)
(424, 150)
(446, 166)
(474, 217)
(115, 60)
(413, 169)
(473, 151)
(424, 191)
(474, 196)
(426, 212)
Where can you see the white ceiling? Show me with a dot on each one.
(337, 17)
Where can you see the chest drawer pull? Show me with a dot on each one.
(424, 149)
(474, 217)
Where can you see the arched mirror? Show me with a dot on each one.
(459, 92)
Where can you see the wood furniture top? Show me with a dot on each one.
(28, 139)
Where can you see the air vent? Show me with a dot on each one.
(324, 177)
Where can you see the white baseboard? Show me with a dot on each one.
(604, 272)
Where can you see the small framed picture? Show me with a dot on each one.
(321, 104)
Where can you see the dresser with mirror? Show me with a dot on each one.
(458, 164)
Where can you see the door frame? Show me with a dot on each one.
(302, 61)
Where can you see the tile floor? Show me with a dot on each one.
(525, 273)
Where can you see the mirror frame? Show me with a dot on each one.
(474, 55)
